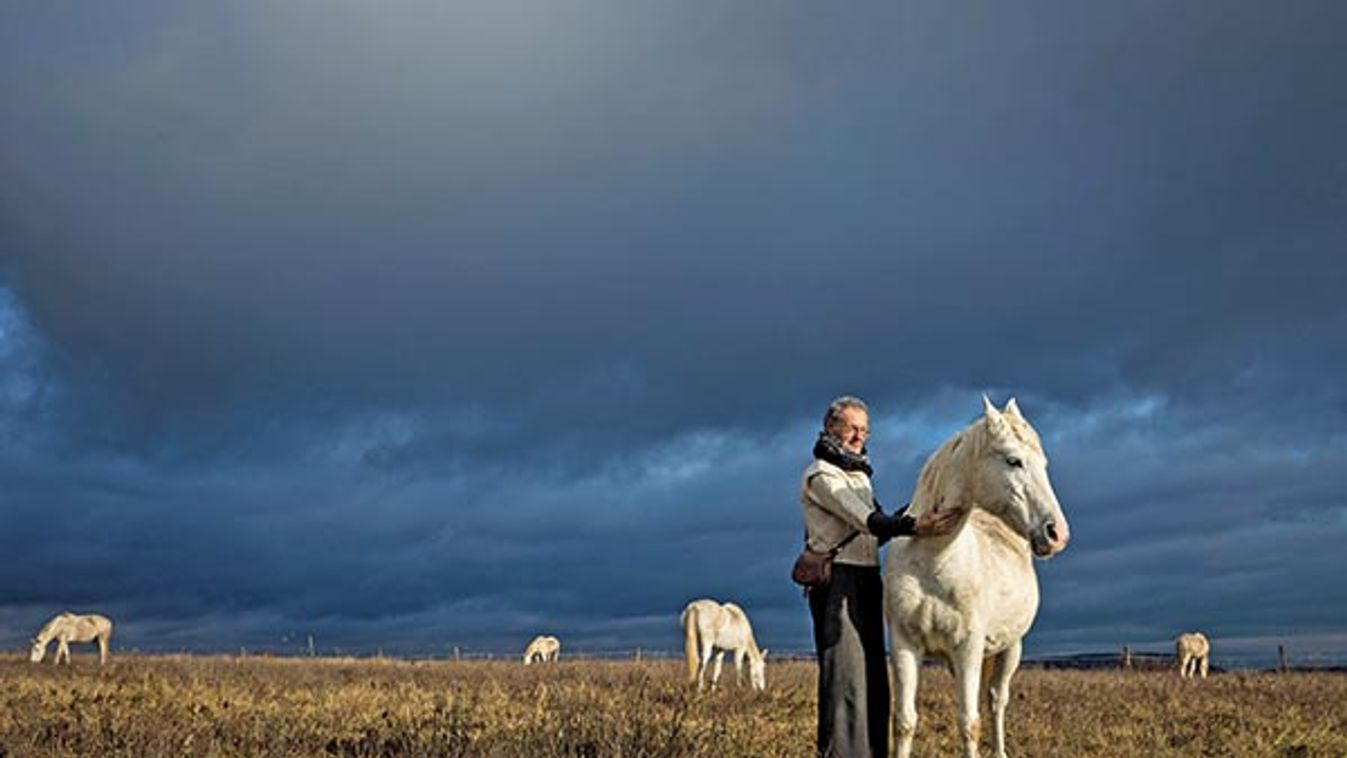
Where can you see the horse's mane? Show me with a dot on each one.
(942, 475)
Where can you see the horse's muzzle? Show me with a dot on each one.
(1050, 538)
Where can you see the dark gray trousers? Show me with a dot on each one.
(853, 676)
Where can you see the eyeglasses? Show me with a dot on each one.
(850, 429)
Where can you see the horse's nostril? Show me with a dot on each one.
(1052, 531)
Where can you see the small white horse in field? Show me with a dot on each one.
(543, 648)
(1193, 651)
(711, 628)
(969, 597)
(66, 628)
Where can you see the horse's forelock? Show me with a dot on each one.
(1024, 433)
(1014, 427)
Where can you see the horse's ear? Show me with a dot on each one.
(995, 421)
(1013, 409)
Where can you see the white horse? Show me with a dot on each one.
(711, 628)
(970, 596)
(543, 648)
(1193, 652)
(66, 628)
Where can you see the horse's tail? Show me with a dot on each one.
(689, 620)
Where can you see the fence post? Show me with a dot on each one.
(1281, 659)
(1127, 657)
(456, 656)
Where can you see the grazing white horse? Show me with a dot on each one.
(66, 628)
(711, 628)
(970, 596)
(543, 648)
(1193, 651)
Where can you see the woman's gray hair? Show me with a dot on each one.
(838, 405)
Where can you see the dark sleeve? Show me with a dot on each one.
(907, 525)
(886, 527)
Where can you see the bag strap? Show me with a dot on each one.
(838, 547)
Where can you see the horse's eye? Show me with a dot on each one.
(1014, 462)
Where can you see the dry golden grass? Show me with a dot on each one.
(155, 707)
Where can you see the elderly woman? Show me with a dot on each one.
(848, 613)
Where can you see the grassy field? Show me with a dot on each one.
(155, 707)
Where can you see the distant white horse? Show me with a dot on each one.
(711, 628)
(970, 596)
(543, 648)
(1193, 651)
(66, 628)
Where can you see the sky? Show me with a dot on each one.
(414, 325)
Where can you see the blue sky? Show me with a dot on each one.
(424, 324)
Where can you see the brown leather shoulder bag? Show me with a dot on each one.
(816, 569)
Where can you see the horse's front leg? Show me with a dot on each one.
(62, 651)
(906, 670)
(967, 664)
(998, 692)
(739, 667)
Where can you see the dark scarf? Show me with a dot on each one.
(829, 448)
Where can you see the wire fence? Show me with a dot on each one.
(1123, 658)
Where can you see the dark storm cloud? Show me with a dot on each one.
(360, 318)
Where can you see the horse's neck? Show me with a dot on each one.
(996, 534)
(979, 537)
(738, 626)
(53, 628)
(752, 647)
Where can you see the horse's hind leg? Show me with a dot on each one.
(715, 675)
(998, 693)
(1202, 666)
(102, 650)
(704, 661)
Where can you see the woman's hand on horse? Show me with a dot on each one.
(934, 523)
